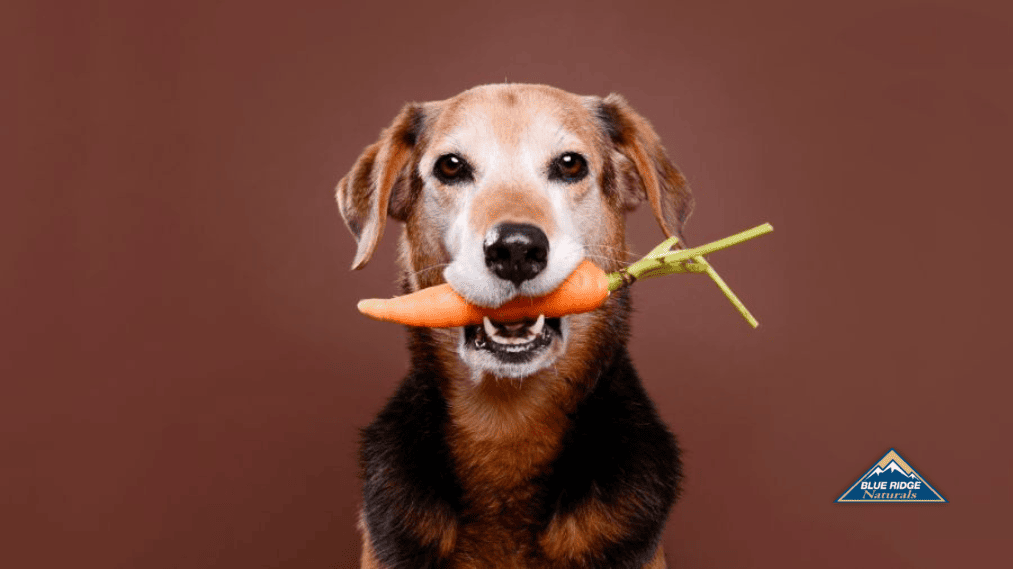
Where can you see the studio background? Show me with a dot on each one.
(183, 370)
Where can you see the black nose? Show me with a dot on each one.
(519, 252)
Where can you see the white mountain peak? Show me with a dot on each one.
(893, 466)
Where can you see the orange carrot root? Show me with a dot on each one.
(441, 307)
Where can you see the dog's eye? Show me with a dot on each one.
(570, 167)
(451, 169)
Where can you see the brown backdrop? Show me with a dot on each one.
(183, 370)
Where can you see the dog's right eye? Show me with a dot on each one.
(570, 168)
(452, 169)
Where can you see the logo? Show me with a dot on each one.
(891, 480)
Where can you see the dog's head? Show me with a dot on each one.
(503, 190)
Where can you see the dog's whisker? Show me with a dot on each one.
(603, 257)
(618, 254)
(619, 250)
(606, 246)
(606, 258)
(559, 135)
(429, 268)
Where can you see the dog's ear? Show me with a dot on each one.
(642, 168)
(380, 182)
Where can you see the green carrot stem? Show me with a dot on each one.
(730, 295)
(660, 261)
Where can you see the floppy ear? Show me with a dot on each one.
(379, 182)
(643, 169)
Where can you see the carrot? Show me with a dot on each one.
(440, 307)
(584, 290)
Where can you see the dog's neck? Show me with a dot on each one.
(506, 429)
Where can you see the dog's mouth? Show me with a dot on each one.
(513, 342)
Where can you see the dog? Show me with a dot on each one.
(515, 444)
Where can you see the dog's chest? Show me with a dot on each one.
(499, 532)
(505, 506)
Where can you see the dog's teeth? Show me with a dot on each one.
(490, 330)
(493, 333)
(537, 328)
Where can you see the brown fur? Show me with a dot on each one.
(658, 562)
(368, 559)
(664, 186)
(569, 537)
(511, 204)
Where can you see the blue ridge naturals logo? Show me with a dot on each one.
(891, 480)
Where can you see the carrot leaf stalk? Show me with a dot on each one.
(584, 290)
(663, 261)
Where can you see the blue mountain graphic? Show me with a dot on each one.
(880, 480)
(877, 484)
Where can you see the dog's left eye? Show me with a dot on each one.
(451, 169)
(570, 167)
